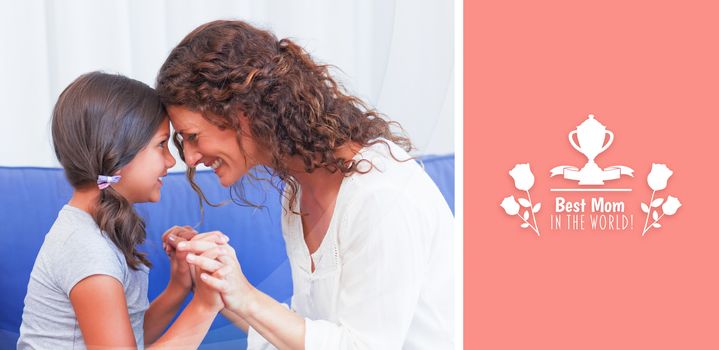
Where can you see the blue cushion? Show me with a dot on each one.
(30, 199)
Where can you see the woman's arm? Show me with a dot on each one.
(238, 321)
(385, 257)
(277, 324)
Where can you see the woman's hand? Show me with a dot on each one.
(219, 268)
(205, 295)
(181, 276)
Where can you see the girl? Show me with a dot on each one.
(88, 287)
(367, 232)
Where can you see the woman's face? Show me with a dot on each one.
(205, 143)
(142, 177)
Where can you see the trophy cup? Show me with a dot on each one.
(591, 135)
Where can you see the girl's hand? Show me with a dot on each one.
(181, 276)
(206, 296)
(219, 269)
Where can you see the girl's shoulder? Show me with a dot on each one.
(76, 228)
(75, 240)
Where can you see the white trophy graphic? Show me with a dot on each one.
(591, 137)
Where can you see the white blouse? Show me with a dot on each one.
(383, 274)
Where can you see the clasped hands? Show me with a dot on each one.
(221, 283)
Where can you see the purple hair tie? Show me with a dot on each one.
(104, 181)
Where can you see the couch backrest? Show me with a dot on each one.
(30, 199)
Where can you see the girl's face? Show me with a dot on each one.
(205, 143)
(142, 177)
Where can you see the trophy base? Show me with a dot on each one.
(591, 174)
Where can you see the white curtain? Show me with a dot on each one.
(395, 54)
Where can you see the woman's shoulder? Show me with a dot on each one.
(381, 160)
(396, 182)
(387, 168)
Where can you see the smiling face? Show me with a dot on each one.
(142, 177)
(205, 143)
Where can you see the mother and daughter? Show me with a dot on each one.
(368, 234)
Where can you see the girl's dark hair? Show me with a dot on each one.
(294, 107)
(99, 124)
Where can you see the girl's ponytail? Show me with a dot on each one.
(117, 218)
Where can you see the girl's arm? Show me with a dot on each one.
(161, 312)
(166, 305)
(178, 261)
(101, 311)
(193, 323)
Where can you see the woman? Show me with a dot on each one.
(367, 232)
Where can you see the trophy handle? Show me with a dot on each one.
(611, 138)
(571, 140)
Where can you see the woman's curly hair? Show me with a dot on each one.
(294, 107)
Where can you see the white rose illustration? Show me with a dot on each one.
(510, 205)
(523, 181)
(659, 176)
(523, 177)
(657, 181)
(671, 205)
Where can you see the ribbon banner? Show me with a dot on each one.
(610, 173)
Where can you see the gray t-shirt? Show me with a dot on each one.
(75, 249)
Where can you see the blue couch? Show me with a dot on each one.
(31, 197)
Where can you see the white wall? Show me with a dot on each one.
(396, 54)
